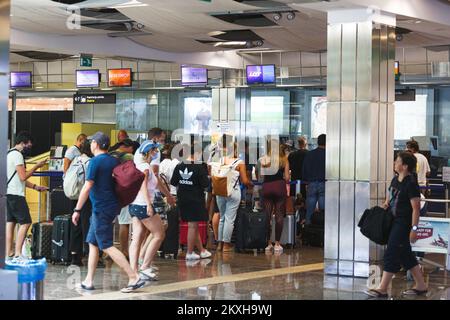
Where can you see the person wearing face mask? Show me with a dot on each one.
(17, 208)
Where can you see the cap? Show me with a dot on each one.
(147, 145)
(102, 140)
(127, 143)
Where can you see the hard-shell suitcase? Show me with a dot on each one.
(202, 228)
(288, 234)
(41, 245)
(61, 239)
(251, 229)
(170, 245)
(59, 203)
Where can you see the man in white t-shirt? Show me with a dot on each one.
(74, 151)
(17, 210)
(423, 168)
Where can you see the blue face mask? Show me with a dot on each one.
(155, 156)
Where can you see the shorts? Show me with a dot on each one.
(124, 216)
(101, 230)
(17, 210)
(140, 212)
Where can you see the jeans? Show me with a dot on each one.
(228, 207)
(315, 193)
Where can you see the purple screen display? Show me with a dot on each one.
(20, 79)
(190, 76)
(260, 74)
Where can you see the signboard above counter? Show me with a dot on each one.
(95, 98)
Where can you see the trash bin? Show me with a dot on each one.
(31, 277)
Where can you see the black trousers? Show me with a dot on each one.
(79, 232)
(398, 252)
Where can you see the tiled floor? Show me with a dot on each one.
(235, 276)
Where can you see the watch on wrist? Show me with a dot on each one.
(414, 228)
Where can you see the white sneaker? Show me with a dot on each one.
(192, 256)
(278, 249)
(205, 254)
(269, 247)
(148, 275)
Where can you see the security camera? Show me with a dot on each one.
(290, 16)
(399, 37)
(140, 26)
(259, 43)
(277, 16)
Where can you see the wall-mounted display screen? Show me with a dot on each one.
(21, 80)
(194, 76)
(119, 77)
(260, 74)
(88, 78)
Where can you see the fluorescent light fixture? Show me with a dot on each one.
(129, 4)
(215, 33)
(230, 43)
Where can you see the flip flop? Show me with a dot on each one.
(414, 292)
(138, 285)
(85, 287)
(375, 293)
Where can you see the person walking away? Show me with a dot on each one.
(99, 187)
(17, 211)
(275, 175)
(228, 206)
(191, 180)
(313, 172)
(144, 217)
(403, 200)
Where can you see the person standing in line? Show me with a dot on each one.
(423, 167)
(313, 172)
(99, 186)
(191, 180)
(296, 160)
(74, 151)
(17, 211)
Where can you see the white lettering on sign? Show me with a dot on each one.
(255, 74)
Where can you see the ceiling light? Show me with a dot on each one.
(230, 43)
(418, 21)
(290, 16)
(277, 16)
(215, 33)
(129, 4)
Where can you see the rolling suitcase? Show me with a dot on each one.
(61, 239)
(170, 245)
(289, 230)
(251, 229)
(59, 203)
(202, 228)
(41, 245)
(313, 235)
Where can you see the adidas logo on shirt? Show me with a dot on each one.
(186, 176)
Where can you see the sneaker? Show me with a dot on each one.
(192, 256)
(148, 275)
(269, 247)
(278, 249)
(154, 269)
(205, 254)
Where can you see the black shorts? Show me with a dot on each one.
(17, 210)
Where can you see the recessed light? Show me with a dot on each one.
(418, 21)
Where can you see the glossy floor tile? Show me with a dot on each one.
(236, 276)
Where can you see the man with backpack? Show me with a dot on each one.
(17, 210)
(74, 151)
(100, 187)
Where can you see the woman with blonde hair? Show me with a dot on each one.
(274, 167)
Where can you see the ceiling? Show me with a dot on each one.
(198, 26)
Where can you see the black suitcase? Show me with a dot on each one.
(318, 218)
(251, 229)
(313, 235)
(170, 245)
(41, 246)
(59, 203)
(61, 239)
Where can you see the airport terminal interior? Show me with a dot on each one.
(273, 79)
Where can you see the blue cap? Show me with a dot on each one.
(102, 140)
(148, 145)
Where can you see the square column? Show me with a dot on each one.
(360, 133)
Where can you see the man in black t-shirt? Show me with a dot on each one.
(296, 159)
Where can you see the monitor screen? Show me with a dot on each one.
(21, 80)
(119, 77)
(194, 76)
(261, 74)
(88, 78)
